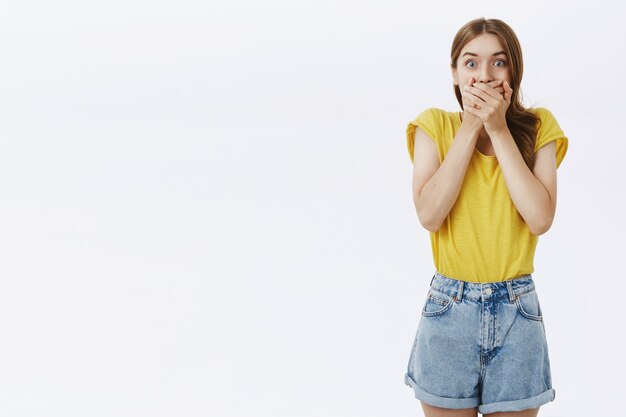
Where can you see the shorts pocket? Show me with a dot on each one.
(528, 305)
(436, 303)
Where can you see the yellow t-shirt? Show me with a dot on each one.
(483, 238)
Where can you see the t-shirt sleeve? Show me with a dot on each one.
(549, 131)
(428, 120)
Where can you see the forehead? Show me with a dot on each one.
(484, 44)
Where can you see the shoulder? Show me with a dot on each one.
(546, 117)
(548, 131)
(540, 111)
(431, 119)
(432, 113)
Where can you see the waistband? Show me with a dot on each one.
(477, 291)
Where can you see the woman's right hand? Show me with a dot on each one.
(468, 118)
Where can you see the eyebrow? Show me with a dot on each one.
(497, 53)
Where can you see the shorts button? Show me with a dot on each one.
(488, 291)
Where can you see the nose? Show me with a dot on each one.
(485, 75)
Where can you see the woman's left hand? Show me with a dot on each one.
(489, 105)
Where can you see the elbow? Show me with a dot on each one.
(541, 227)
(431, 227)
(427, 220)
(538, 232)
(427, 214)
(542, 222)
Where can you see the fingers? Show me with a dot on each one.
(497, 85)
(472, 100)
(465, 95)
(504, 90)
(485, 93)
(474, 95)
(469, 100)
(466, 102)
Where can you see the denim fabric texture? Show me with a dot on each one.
(481, 345)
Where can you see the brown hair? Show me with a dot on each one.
(522, 123)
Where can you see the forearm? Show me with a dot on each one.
(529, 196)
(440, 192)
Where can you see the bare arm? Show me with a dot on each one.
(436, 186)
(533, 192)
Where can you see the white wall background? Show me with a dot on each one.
(206, 207)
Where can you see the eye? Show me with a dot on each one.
(499, 60)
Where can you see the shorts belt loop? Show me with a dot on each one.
(459, 294)
(511, 293)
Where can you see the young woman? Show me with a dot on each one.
(484, 185)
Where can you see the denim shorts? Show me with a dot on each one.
(481, 345)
